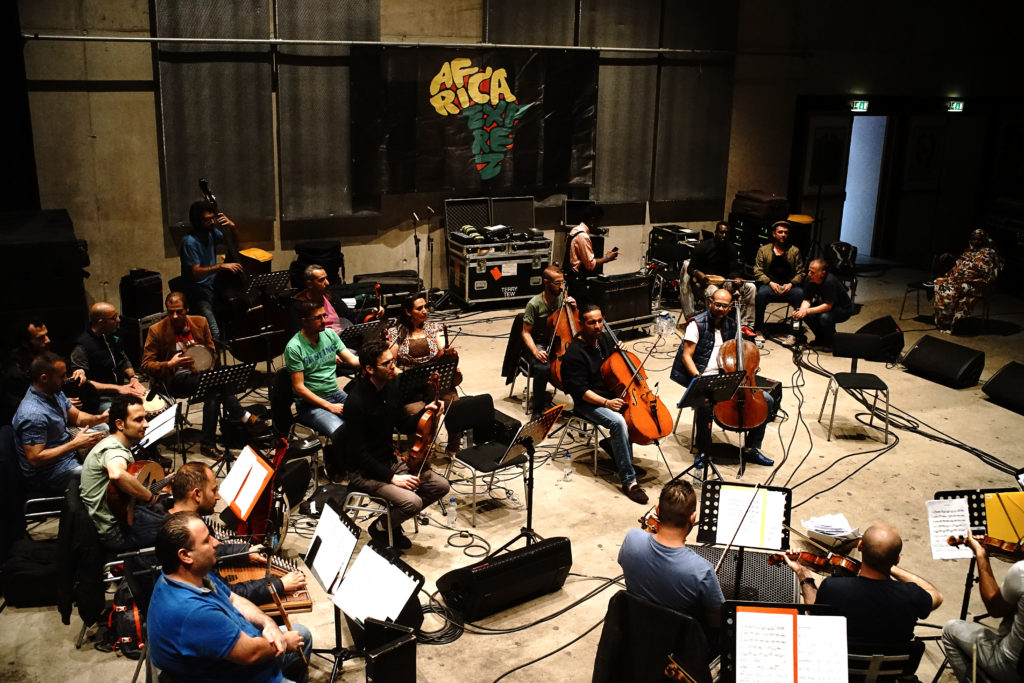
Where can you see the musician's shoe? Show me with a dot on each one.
(402, 541)
(379, 534)
(605, 445)
(635, 493)
(756, 457)
(211, 451)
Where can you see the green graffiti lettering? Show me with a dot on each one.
(489, 165)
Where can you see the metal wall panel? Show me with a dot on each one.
(530, 22)
(625, 130)
(701, 25)
(620, 23)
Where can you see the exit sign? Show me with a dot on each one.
(955, 105)
(859, 105)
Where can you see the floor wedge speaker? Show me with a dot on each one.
(506, 580)
(945, 362)
(1004, 387)
(891, 336)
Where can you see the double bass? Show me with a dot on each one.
(647, 418)
(747, 408)
(563, 324)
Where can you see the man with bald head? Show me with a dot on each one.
(877, 608)
(99, 353)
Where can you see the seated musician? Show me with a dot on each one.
(108, 463)
(311, 356)
(99, 353)
(198, 630)
(33, 339)
(581, 377)
(698, 355)
(535, 333)
(883, 602)
(374, 411)
(195, 489)
(717, 256)
(660, 568)
(779, 271)
(165, 359)
(47, 453)
(825, 304)
(999, 650)
(318, 289)
(199, 265)
(415, 342)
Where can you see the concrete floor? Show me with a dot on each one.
(892, 487)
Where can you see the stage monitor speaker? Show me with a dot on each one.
(891, 336)
(506, 580)
(759, 581)
(622, 298)
(1004, 387)
(945, 362)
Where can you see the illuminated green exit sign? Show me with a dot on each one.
(859, 106)
(955, 105)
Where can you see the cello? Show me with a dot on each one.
(747, 408)
(647, 418)
(563, 325)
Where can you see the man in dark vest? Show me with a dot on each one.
(698, 355)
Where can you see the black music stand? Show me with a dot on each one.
(530, 434)
(227, 380)
(413, 382)
(268, 283)
(709, 389)
(353, 337)
(707, 524)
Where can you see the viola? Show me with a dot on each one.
(830, 562)
(371, 316)
(647, 418)
(563, 324)
(427, 428)
(1007, 550)
(747, 408)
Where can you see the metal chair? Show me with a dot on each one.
(856, 346)
(870, 662)
(373, 506)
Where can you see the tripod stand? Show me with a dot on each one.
(708, 391)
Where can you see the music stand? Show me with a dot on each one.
(529, 435)
(413, 382)
(709, 389)
(354, 336)
(713, 504)
(268, 283)
(227, 380)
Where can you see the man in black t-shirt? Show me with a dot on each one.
(718, 257)
(825, 303)
(877, 608)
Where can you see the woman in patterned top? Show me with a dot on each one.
(972, 273)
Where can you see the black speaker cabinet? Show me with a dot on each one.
(891, 336)
(622, 298)
(500, 582)
(1004, 387)
(759, 580)
(945, 362)
(142, 293)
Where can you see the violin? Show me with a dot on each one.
(563, 324)
(647, 418)
(830, 562)
(747, 408)
(649, 522)
(373, 315)
(1005, 550)
(426, 430)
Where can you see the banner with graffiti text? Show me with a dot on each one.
(487, 120)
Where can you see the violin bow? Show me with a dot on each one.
(757, 488)
(809, 539)
(561, 312)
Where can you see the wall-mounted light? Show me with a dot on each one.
(955, 106)
(859, 106)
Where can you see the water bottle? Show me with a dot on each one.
(567, 470)
(451, 515)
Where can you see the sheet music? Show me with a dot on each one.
(821, 649)
(373, 587)
(764, 646)
(762, 526)
(160, 426)
(236, 476)
(244, 483)
(948, 517)
(336, 545)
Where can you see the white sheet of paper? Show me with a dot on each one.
(821, 649)
(509, 269)
(948, 517)
(762, 526)
(159, 427)
(336, 545)
(764, 647)
(232, 483)
(373, 587)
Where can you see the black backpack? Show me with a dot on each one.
(125, 625)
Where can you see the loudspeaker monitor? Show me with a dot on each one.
(499, 582)
(945, 362)
(1004, 387)
(891, 337)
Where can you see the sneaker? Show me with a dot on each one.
(635, 493)
(790, 341)
(756, 457)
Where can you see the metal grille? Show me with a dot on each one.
(760, 581)
(459, 212)
(625, 130)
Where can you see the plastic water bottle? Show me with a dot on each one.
(567, 470)
(451, 515)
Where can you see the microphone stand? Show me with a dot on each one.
(416, 240)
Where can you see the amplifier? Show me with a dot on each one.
(499, 582)
(671, 244)
(133, 336)
(142, 293)
(622, 298)
(759, 581)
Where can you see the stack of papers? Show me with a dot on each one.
(830, 530)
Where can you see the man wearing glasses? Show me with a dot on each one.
(698, 355)
(374, 411)
(99, 353)
(535, 333)
(311, 357)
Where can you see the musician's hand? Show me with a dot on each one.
(224, 221)
(800, 314)
(87, 439)
(378, 312)
(76, 402)
(180, 359)
(784, 289)
(738, 281)
(541, 355)
(336, 408)
(699, 277)
(449, 351)
(571, 301)
(293, 640)
(135, 387)
(293, 581)
(278, 638)
(978, 548)
(775, 287)
(437, 405)
(406, 481)
(611, 255)
(801, 571)
(79, 376)
(233, 267)
(616, 404)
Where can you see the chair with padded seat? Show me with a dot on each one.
(858, 346)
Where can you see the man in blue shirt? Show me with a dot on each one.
(199, 264)
(201, 631)
(660, 568)
(47, 453)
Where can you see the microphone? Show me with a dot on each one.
(432, 212)
(415, 217)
